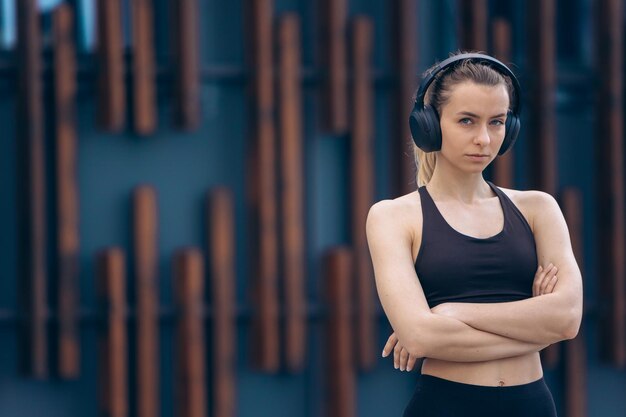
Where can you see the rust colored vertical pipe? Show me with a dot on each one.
(503, 165)
(404, 48)
(221, 257)
(609, 143)
(333, 48)
(187, 63)
(67, 193)
(31, 191)
(145, 236)
(262, 183)
(575, 356)
(362, 134)
(144, 100)
(111, 269)
(190, 382)
(541, 110)
(473, 25)
(111, 87)
(292, 195)
(542, 113)
(341, 374)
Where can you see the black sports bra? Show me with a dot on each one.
(453, 267)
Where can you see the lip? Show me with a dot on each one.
(477, 157)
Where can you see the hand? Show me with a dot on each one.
(545, 280)
(402, 359)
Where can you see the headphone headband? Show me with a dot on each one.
(421, 92)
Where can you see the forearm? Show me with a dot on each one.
(547, 319)
(449, 339)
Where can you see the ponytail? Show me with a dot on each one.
(425, 165)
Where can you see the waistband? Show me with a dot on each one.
(430, 381)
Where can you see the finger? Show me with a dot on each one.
(411, 363)
(537, 281)
(551, 285)
(396, 356)
(540, 279)
(546, 280)
(537, 285)
(404, 358)
(391, 342)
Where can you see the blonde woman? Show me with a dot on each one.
(475, 279)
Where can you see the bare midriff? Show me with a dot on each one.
(500, 372)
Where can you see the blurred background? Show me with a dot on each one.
(184, 186)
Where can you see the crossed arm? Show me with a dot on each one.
(544, 283)
(476, 332)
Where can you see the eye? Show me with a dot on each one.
(465, 121)
(497, 122)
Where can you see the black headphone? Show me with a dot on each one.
(424, 120)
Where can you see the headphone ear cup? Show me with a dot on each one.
(512, 127)
(425, 128)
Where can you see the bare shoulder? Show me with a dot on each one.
(399, 214)
(531, 198)
(533, 203)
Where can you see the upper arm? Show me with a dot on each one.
(398, 287)
(553, 244)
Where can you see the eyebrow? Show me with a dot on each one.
(467, 113)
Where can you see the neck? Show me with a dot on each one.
(453, 184)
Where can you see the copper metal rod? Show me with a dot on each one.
(503, 166)
(293, 187)
(113, 344)
(143, 67)
(609, 142)
(64, 62)
(362, 134)
(575, 356)
(341, 377)
(190, 382)
(145, 237)
(32, 196)
(473, 25)
(262, 183)
(111, 89)
(333, 47)
(186, 53)
(405, 66)
(541, 129)
(542, 111)
(221, 235)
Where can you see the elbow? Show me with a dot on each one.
(572, 324)
(570, 334)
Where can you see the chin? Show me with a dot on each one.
(476, 169)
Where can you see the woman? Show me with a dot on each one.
(473, 278)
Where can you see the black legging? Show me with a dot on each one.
(437, 397)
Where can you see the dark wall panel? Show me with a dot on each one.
(182, 167)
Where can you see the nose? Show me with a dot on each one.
(482, 136)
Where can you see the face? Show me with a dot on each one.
(473, 125)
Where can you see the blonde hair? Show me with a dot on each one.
(439, 93)
(425, 163)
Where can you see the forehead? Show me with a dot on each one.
(478, 98)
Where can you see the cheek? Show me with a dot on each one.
(449, 131)
(498, 135)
